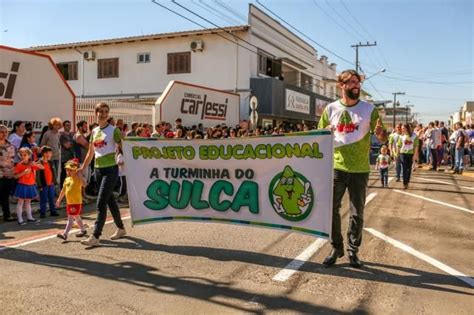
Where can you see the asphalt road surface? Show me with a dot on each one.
(418, 254)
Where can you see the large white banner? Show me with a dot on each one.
(277, 182)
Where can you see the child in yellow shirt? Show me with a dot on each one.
(72, 189)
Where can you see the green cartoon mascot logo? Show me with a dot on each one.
(291, 195)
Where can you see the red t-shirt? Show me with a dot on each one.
(28, 179)
(48, 174)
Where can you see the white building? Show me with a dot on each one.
(464, 115)
(269, 61)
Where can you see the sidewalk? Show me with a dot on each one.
(35, 207)
(468, 171)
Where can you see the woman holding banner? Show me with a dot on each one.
(103, 146)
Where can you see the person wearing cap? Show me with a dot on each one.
(72, 189)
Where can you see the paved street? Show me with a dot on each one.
(417, 249)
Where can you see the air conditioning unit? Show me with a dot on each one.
(197, 45)
(89, 55)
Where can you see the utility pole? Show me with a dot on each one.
(394, 105)
(356, 46)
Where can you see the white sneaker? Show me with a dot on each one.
(91, 241)
(118, 234)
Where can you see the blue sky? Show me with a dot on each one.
(426, 46)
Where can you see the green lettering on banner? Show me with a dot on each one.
(247, 196)
(203, 152)
(261, 152)
(196, 201)
(249, 152)
(278, 151)
(155, 191)
(213, 152)
(235, 154)
(225, 154)
(174, 198)
(215, 194)
(316, 153)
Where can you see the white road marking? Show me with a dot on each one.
(370, 197)
(300, 260)
(22, 244)
(435, 201)
(424, 257)
(443, 182)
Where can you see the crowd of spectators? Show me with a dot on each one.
(438, 146)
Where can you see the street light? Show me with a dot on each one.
(374, 74)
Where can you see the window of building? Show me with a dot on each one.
(317, 84)
(306, 82)
(268, 65)
(108, 68)
(262, 64)
(179, 62)
(68, 70)
(143, 58)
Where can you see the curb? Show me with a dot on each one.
(466, 172)
(35, 207)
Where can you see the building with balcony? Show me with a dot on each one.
(247, 59)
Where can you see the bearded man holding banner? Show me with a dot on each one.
(352, 121)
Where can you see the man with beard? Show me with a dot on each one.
(352, 121)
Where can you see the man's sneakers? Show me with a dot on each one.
(332, 257)
(118, 234)
(91, 241)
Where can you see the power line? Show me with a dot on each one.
(333, 19)
(384, 63)
(356, 20)
(234, 35)
(430, 98)
(343, 19)
(425, 82)
(235, 13)
(210, 22)
(373, 86)
(303, 34)
(423, 76)
(211, 10)
(206, 28)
